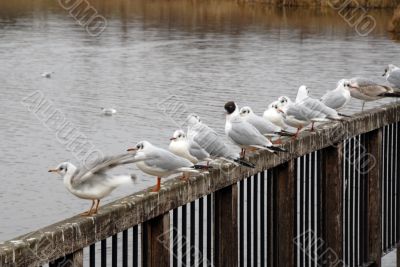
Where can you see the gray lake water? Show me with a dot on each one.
(200, 54)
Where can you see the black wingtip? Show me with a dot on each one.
(201, 167)
(245, 163)
(394, 94)
(277, 149)
(285, 133)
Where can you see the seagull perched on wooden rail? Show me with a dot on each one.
(92, 181)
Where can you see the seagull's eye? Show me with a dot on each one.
(138, 146)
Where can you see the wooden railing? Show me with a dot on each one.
(332, 201)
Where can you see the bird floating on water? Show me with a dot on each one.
(92, 182)
(108, 111)
(47, 74)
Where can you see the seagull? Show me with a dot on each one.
(159, 162)
(271, 114)
(92, 181)
(183, 147)
(264, 126)
(47, 74)
(211, 142)
(368, 90)
(108, 111)
(316, 111)
(293, 114)
(392, 75)
(243, 133)
(339, 97)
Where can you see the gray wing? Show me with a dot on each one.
(394, 78)
(262, 125)
(163, 159)
(317, 107)
(298, 112)
(209, 140)
(243, 133)
(197, 151)
(370, 88)
(100, 166)
(333, 99)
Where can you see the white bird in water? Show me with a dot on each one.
(161, 163)
(264, 126)
(243, 133)
(392, 75)
(368, 90)
(92, 181)
(186, 148)
(47, 74)
(108, 111)
(211, 142)
(339, 97)
(271, 114)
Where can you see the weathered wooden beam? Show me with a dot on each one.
(331, 190)
(66, 236)
(156, 242)
(225, 227)
(72, 260)
(373, 175)
(285, 177)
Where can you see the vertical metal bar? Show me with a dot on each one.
(92, 255)
(398, 189)
(175, 237)
(248, 225)
(351, 191)
(201, 231)
(384, 188)
(125, 248)
(389, 184)
(209, 229)
(135, 246)
(275, 208)
(104, 253)
(192, 250)
(184, 235)
(262, 219)
(241, 223)
(114, 250)
(255, 219)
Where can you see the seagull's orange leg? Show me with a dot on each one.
(97, 206)
(158, 186)
(87, 213)
(312, 127)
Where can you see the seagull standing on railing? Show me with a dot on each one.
(159, 162)
(392, 75)
(368, 90)
(211, 142)
(271, 114)
(264, 126)
(92, 181)
(243, 133)
(339, 97)
(187, 148)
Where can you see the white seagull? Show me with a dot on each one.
(47, 74)
(264, 126)
(92, 181)
(294, 114)
(392, 75)
(108, 111)
(339, 97)
(186, 148)
(243, 133)
(368, 90)
(211, 142)
(271, 114)
(159, 162)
